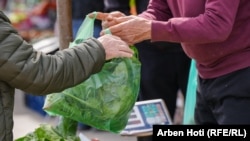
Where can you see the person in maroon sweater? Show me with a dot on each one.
(215, 33)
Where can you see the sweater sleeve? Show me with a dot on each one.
(24, 68)
(157, 10)
(213, 25)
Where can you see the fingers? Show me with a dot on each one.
(116, 24)
(111, 19)
(99, 15)
(123, 51)
(117, 31)
(125, 54)
(113, 29)
(117, 14)
(125, 18)
(130, 29)
(115, 47)
(105, 16)
(126, 50)
(107, 24)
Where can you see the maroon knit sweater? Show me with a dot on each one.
(216, 33)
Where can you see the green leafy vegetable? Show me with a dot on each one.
(47, 133)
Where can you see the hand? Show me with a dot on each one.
(131, 29)
(115, 47)
(108, 19)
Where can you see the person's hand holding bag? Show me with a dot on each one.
(114, 47)
(107, 18)
(132, 29)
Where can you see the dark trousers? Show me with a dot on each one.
(224, 100)
(165, 69)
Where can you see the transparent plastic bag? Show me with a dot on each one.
(104, 100)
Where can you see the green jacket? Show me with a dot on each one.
(34, 72)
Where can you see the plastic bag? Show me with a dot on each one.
(104, 100)
(190, 101)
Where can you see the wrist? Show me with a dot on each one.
(148, 30)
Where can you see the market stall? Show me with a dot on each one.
(34, 19)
